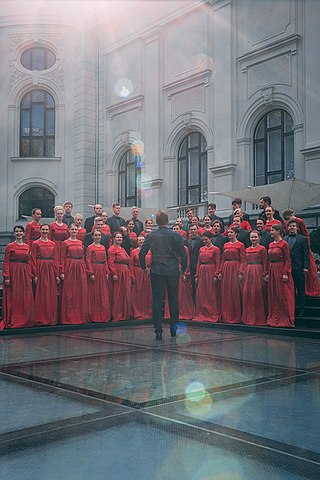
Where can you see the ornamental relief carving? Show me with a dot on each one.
(16, 75)
(57, 75)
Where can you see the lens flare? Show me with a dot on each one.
(123, 88)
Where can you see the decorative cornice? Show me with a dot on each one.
(202, 78)
(126, 105)
(290, 40)
(223, 169)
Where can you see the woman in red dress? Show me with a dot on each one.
(207, 226)
(74, 303)
(59, 231)
(281, 301)
(232, 268)
(207, 296)
(78, 219)
(98, 272)
(312, 285)
(45, 272)
(269, 211)
(182, 232)
(33, 228)
(254, 298)
(18, 300)
(133, 236)
(119, 262)
(141, 284)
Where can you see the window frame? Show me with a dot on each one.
(31, 138)
(268, 173)
(36, 203)
(46, 51)
(128, 160)
(201, 148)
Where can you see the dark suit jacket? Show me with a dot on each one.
(244, 237)
(105, 239)
(194, 253)
(265, 239)
(167, 250)
(115, 222)
(219, 241)
(299, 253)
(138, 226)
(88, 224)
(68, 220)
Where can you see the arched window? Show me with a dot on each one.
(37, 58)
(36, 197)
(130, 180)
(37, 125)
(192, 170)
(274, 148)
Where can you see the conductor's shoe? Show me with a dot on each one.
(173, 330)
(158, 335)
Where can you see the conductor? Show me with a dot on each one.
(168, 253)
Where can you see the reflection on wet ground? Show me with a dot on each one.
(206, 404)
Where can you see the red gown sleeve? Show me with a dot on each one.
(264, 258)
(287, 261)
(111, 260)
(6, 263)
(217, 261)
(34, 255)
(63, 257)
(89, 266)
(242, 253)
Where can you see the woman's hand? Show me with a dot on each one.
(92, 278)
(285, 278)
(115, 278)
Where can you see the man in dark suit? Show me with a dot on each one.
(217, 239)
(115, 222)
(194, 244)
(264, 237)
(88, 224)
(212, 207)
(236, 205)
(168, 252)
(300, 263)
(243, 235)
(138, 225)
(67, 217)
(265, 202)
(88, 239)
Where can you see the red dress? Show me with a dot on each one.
(32, 233)
(281, 301)
(45, 266)
(207, 296)
(312, 286)
(98, 291)
(58, 234)
(82, 232)
(141, 287)
(270, 223)
(74, 303)
(18, 300)
(119, 262)
(232, 265)
(254, 292)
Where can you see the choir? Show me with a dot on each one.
(66, 274)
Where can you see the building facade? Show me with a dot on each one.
(156, 103)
